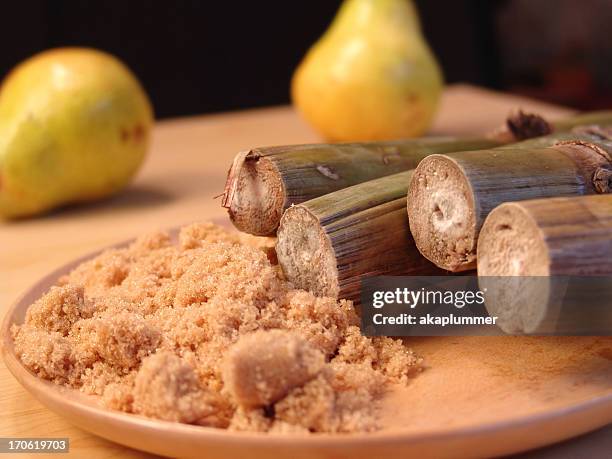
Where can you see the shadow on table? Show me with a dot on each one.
(132, 198)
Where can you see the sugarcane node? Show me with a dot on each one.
(602, 180)
(527, 125)
(592, 161)
(590, 148)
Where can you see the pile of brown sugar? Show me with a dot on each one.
(207, 332)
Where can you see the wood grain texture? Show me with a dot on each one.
(186, 169)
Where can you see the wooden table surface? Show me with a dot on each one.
(185, 170)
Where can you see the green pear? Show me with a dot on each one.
(371, 76)
(74, 126)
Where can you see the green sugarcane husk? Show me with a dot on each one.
(329, 244)
(566, 236)
(450, 195)
(263, 182)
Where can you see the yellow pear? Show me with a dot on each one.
(371, 76)
(74, 126)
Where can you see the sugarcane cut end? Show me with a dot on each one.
(254, 194)
(305, 253)
(513, 269)
(442, 213)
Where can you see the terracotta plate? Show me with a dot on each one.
(480, 396)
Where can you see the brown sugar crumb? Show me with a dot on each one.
(206, 331)
(120, 340)
(47, 354)
(196, 234)
(263, 367)
(59, 309)
(166, 387)
(312, 406)
(254, 420)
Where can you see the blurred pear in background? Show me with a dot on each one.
(371, 76)
(74, 126)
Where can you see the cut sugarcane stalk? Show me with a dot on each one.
(329, 244)
(263, 182)
(534, 242)
(450, 195)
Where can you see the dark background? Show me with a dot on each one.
(204, 56)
